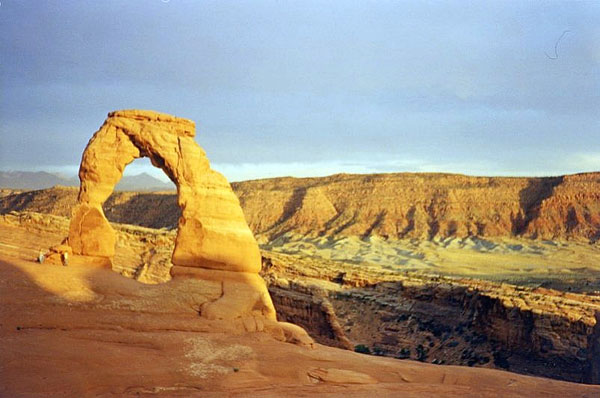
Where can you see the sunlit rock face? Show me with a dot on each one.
(212, 230)
(213, 239)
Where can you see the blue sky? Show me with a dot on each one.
(310, 88)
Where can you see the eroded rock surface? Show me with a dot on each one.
(85, 332)
(213, 239)
(424, 206)
(212, 231)
(397, 206)
(440, 320)
(454, 321)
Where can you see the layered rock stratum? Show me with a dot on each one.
(436, 319)
(425, 206)
(394, 206)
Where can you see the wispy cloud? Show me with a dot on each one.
(309, 88)
(584, 161)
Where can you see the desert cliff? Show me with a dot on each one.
(425, 206)
(395, 206)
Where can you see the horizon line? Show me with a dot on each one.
(166, 180)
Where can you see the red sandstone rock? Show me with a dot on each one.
(213, 239)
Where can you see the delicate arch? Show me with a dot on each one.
(212, 231)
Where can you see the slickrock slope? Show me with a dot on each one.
(434, 319)
(84, 331)
(395, 206)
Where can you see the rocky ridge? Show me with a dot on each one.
(425, 206)
(393, 206)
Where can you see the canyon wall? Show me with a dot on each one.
(402, 205)
(425, 206)
(441, 320)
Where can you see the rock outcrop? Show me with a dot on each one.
(395, 206)
(213, 239)
(212, 231)
(85, 332)
(457, 321)
(440, 320)
(424, 206)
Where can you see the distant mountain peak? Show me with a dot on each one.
(33, 180)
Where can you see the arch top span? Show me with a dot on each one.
(212, 231)
(179, 125)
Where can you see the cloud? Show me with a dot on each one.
(584, 161)
(310, 87)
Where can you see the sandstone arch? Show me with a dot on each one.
(213, 239)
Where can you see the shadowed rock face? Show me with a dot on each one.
(434, 319)
(213, 239)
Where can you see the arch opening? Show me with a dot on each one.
(145, 244)
(142, 176)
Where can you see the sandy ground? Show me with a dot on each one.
(521, 261)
